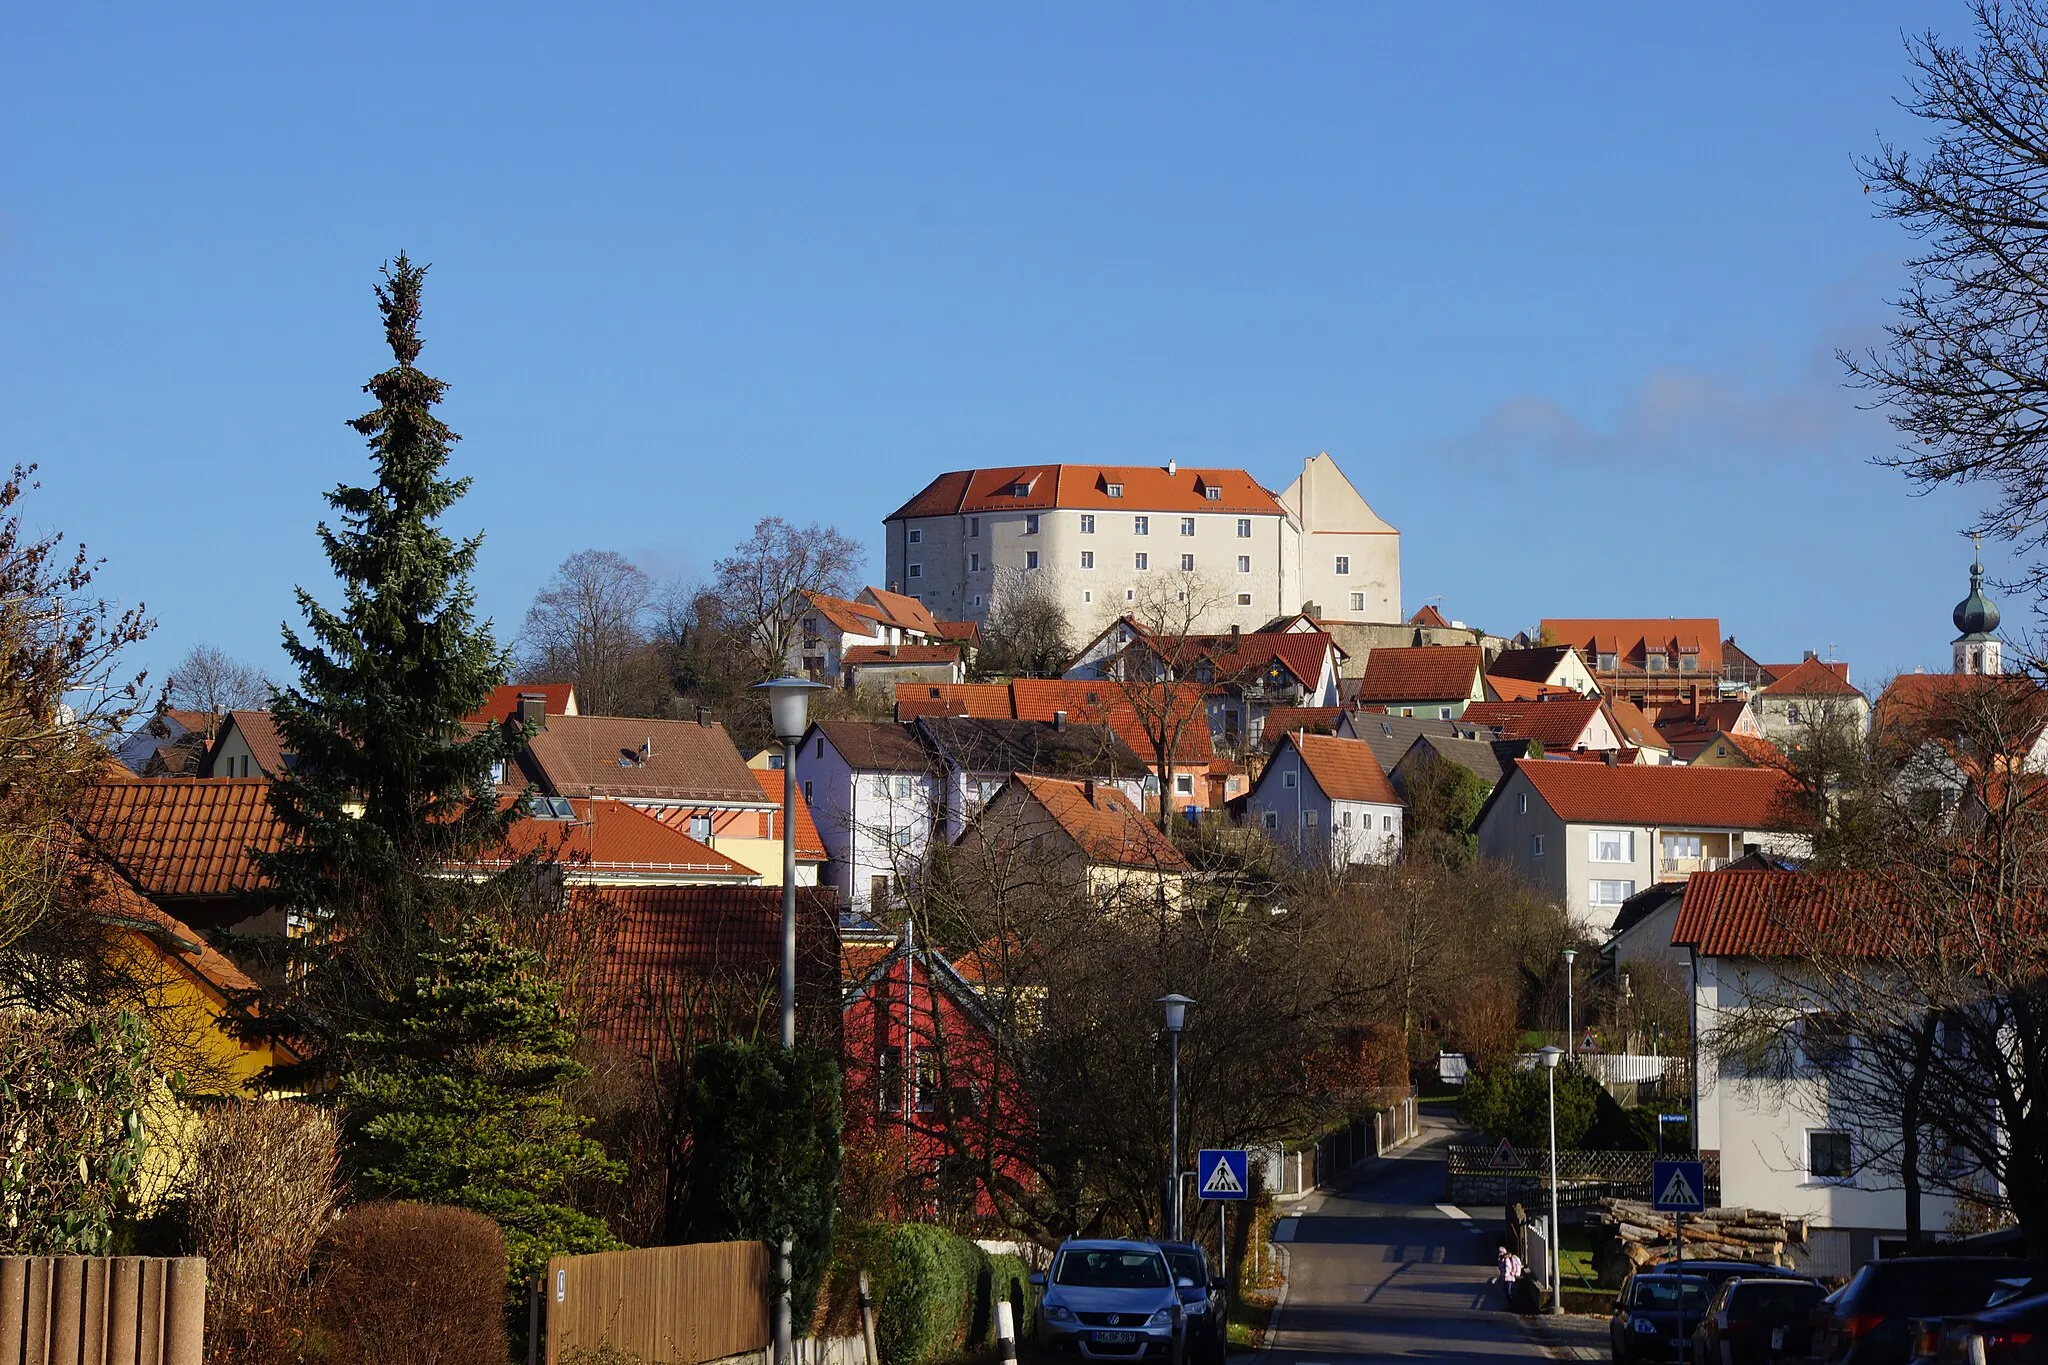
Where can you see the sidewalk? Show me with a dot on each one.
(1570, 1336)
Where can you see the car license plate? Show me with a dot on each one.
(1115, 1338)
(1777, 1338)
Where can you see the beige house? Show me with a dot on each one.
(1812, 694)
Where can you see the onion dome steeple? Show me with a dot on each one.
(1976, 616)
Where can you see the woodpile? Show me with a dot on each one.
(1628, 1234)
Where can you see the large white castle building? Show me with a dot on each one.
(1094, 536)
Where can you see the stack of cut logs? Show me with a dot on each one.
(1628, 1234)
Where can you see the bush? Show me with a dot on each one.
(928, 1287)
(764, 1128)
(260, 1195)
(1508, 1102)
(72, 1094)
(1009, 1278)
(411, 1284)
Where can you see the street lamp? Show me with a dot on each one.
(1569, 1037)
(1550, 1057)
(1176, 1007)
(788, 706)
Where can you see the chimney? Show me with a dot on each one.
(533, 710)
(1810, 657)
(646, 751)
(1611, 757)
(1059, 720)
(704, 716)
(1233, 632)
(1088, 790)
(1173, 466)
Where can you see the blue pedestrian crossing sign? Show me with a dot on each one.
(1222, 1173)
(1678, 1187)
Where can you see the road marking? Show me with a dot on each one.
(1453, 1211)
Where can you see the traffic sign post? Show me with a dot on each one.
(1222, 1173)
(1679, 1188)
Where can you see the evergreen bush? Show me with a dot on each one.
(929, 1286)
(1509, 1102)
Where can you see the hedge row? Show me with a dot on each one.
(935, 1292)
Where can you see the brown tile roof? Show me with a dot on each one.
(858, 656)
(1420, 673)
(905, 612)
(1086, 703)
(1146, 488)
(876, 746)
(1321, 720)
(810, 848)
(1517, 689)
(1102, 820)
(961, 632)
(1557, 723)
(503, 703)
(601, 756)
(1534, 664)
(1632, 727)
(1811, 679)
(847, 615)
(259, 732)
(1345, 769)
(1773, 672)
(1428, 616)
(672, 949)
(1745, 913)
(981, 744)
(182, 836)
(609, 838)
(1628, 637)
(1665, 794)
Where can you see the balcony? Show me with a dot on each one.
(1675, 868)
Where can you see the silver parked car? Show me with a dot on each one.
(1108, 1300)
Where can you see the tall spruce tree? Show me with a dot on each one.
(458, 1099)
(386, 787)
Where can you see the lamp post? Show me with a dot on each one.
(1570, 1038)
(788, 708)
(1551, 1056)
(1176, 1007)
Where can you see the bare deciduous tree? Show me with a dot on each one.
(764, 583)
(213, 682)
(588, 626)
(1026, 632)
(1162, 673)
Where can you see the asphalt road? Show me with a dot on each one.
(1384, 1270)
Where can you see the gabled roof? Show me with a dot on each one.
(847, 615)
(1746, 913)
(1632, 727)
(1428, 615)
(1628, 637)
(1089, 703)
(1750, 749)
(1321, 720)
(1485, 759)
(1811, 679)
(1534, 664)
(810, 848)
(1773, 672)
(861, 656)
(1644, 904)
(609, 838)
(662, 760)
(1344, 769)
(1146, 488)
(1421, 673)
(1390, 737)
(978, 744)
(1518, 689)
(1555, 723)
(121, 906)
(961, 632)
(904, 612)
(182, 836)
(876, 746)
(557, 698)
(259, 731)
(1109, 829)
(1665, 794)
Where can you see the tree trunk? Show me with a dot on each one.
(1909, 1122)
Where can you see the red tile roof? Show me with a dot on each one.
(1632, 727)
(1773, 672)
(1421, 673)
(182, 836)
(1664, 794)
(1146, 488)
(1428, 616)
(1345, 769)
(259, 732)
(1558, 723)
(1086, 703)
(119, 905)
(863, 655)
(1520, 689)
(1102, 820)
(904, 612)
(961, 632)
(857, 617)
(612, 839)
(810, 848)
(559, 699)
(1754, 913)
(1628, 637)
(1321, 720)
(1811, 679)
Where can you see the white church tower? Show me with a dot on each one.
(1977, 650)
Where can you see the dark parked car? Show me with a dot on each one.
(1202, 1302)
(2012, 1328)
(1756, 1321)
(1869, 1321)
(1716, 1272)
(1654, 1315)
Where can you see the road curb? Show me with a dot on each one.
(1545, 1331)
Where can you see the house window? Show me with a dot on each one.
(1115, 490)
(902, 837)
(1244, 563)
(1244, 599)
(1213, 493)
(1611, 845)
(1031, 559)
(1087, 523)
(1187, 563)
(924, 1082)
(1387, 822)
(821, 747)
(1443, 713)
(775, 763)
(1824, 1041)
(1347, 819)
(1688, 663)
(1187, 526)
(916, 536)
(1358, 601)
(808, 790)
(1829, 1154)
(1678, 846)
(1087, 559)
(1131, 594)
(700, 827)
(973, 562)
(1141, 560)
(1536, 846)
(497, 772)
(1605, 663)
(1244, 528)
(1308, 819)
(1031, 524)
(1287, 780)
(1609, 892)
(1792, 712)
(917, 571)
(1020, 490)
(1655, 663)
(878, 892)
(1141, 526)
(1184, 784)
(900, 787)
(1087, 595)
(1521, 803)
(1270, 819)
(973, 526)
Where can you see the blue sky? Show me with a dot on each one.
(1559, 287)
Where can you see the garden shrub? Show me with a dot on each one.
(411, 1284)
(73, 1090)
(928, 1284)
(1008, 1278)
(1509, 1102)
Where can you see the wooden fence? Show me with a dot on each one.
(668, 1305)
(102, 1310)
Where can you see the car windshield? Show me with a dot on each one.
(1186, 1265)
(1664, 1294)
(1111, 1270)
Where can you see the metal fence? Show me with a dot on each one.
(102, 1310)
(1505, 1174)
(666, 1305)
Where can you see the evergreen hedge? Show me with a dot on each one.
(936, 1292)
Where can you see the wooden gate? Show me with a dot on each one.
(102, 1310)
(668, 1305)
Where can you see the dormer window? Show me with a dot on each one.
(1020, 490)
(1655, 663)
(1115, 490)
(1605, 663)
(1213, 493)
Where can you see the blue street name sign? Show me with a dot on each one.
(1222, 1173)
(1678, 1187)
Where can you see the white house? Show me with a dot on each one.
(876, 795)
(890, 636)
(977, 755)
(1813, 694)
(1325, 796)
(1592, 834)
